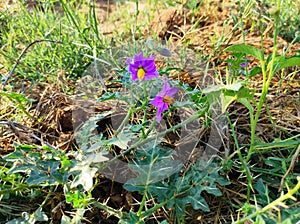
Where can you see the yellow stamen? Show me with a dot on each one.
(168, 100)
(141, 73)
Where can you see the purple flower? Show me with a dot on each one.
(244, 64)
(142, 68)
(164, 99)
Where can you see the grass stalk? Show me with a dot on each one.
(268, 74)
(73, 21)
(243, 161)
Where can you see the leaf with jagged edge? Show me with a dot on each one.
(37, 216)
(42, 165)
(130, 218)
(85, 176)
(122, 140)
(155, 165)
(86, 136)
(179, 191)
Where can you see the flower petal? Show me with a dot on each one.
(157, 101)
(165, 107)
(172, 91)
(160, 110)
(133, 72)
(168, 90)
(164, 89)
(128, 61)
(139, 57)
(151, 75)
(148, 65)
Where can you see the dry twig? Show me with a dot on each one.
(291, 167)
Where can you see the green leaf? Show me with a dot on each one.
(289, 62)
(246, 49)
(122, 140)
(184, 104)
(130, 218)
(182, 190)
(43, 171)
(39, 164)
(254, 71)
(262, 196)
(246, 103)
(37, 216)
(227, 98)
(16, 96)
(85, 177)
(21, 168)
(291, 215)
(37, 177)
(225, 94)
(155, 165)
(136, 128)
(20, 101)
(40, 216)
(77, 198)
(196, 200)
(65, 220)
(234, 87)
(20, 152)
(211, 89)
(86, 136)
(96, 157)
(164, 222)
(109, 96)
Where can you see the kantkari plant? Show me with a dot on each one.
(140, 139)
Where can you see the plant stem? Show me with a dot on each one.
(116, 213)
(267, 77)
(151, 127)
(274, 204)
(47, 197)
(153, 209)
(244, 163)
(21, 188)
(144, 141)
(142, 203)
(144, 107)
(130, 112)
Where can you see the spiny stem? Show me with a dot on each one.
(47, 197)
(144, 141)
(274, 204)
(116, 213)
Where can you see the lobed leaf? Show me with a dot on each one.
(155, 166)
(178, 191)
(109, 96)
(85, 176)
